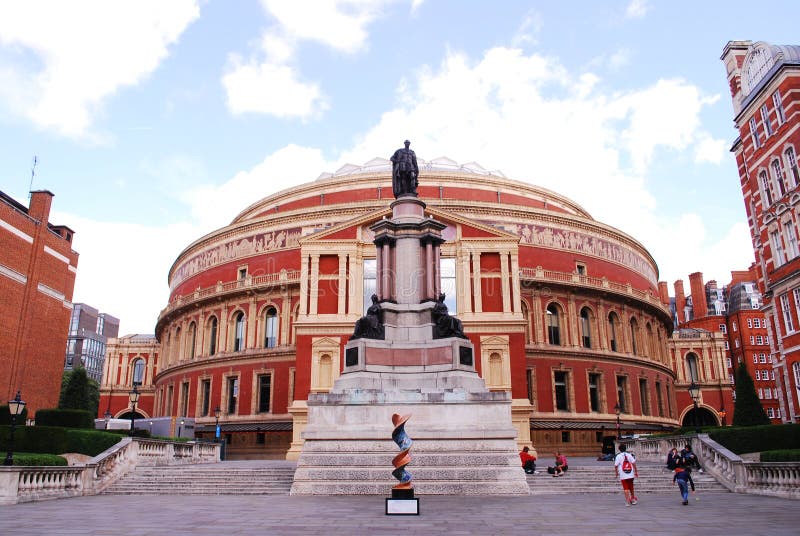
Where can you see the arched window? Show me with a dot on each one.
(651, 341)
(192, 339)
(178, 355)
(778, 175)
(270, 328)
(613, 321)
(791, 163)
(691, 367)
(212, 335)
(586, 328)
(796, 372)
(138, 372)
(238, 332)
(526, 315)
(495, 369)
(634, 331)
(553, 325)
(325, 371)
(766, 190)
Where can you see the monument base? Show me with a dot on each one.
(464, 442)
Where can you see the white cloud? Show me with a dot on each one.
(528, 30)
(710, 150)
(84, 53)
(637, 9)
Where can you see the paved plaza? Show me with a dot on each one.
(715, 513)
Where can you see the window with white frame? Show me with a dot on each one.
(777, 248)
(765, 120)
(758, 374)
(759, 339)
(778, 103)
(736, 342)
(755, 358)
(723, 328)
(754, 133)
(761, 393)
(796, 372)
(757, 322)
(727, 346)
(779, 176)
(791, 163)
(791, 239)
(730, 379)
(752, 339)
(787, 313)
(772, 375)
(762, 358)
(749, 323)
(796, 296)
(775, 392)
(770, 413)
(766, 188)
(728, 362)
(767, 394)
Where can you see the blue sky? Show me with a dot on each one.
(157, 122)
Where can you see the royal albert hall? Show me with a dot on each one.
(563, 311)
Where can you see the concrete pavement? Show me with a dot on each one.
(714, 514)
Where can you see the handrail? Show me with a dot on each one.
(25, 484)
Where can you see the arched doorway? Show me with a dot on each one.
(705, 417)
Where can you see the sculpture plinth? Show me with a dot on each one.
(418, 361)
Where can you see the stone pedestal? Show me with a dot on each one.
(464, 439)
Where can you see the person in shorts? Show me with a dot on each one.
(625, 468)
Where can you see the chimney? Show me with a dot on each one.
(663, 292)
(39, 208)
(699, 301)
(680, 301)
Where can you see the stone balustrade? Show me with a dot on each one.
(776, 479)
(25, 484)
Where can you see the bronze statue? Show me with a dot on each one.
(404, 172)
(370, 326)
(445, 325)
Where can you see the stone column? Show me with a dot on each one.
(341, 306)
(504, 282)
(477, 291)
(313, 280)
(304, 286)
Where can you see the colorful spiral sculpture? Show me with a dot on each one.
(400, 437)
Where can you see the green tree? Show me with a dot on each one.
(747, 411)
(78, 391)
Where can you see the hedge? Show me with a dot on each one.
(786, 455)
(67, 418)
(57, 440)
(741, 440)
(31, 458)
(5, 416)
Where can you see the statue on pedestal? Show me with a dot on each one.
(404, 172)
(370, 326)
(445, 325)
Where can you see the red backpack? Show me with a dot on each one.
(627, 467)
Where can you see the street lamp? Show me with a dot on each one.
(722, 414)
(694, 392)
(134, 398)
(217, 413)
(15, 408)
(151, 428)
(107, 418)
(180, 426)
(617, 410)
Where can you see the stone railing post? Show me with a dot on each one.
(9, 485)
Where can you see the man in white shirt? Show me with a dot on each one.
(625, 468)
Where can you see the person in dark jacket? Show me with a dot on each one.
(673, 459)
(683, 478)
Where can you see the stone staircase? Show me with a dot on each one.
(251, 477)
(598, 477)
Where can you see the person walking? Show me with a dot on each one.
(625, 468)
(683, 478)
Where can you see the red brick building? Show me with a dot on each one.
(765, 88)
(564, 312)
(37, 277)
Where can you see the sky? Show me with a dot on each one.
(155, 122)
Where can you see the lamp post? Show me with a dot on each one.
(15, 408)
(617, 410)
(722, 414)
(180, 427)
(694, 392)
(151, 428)
(134, 398)
(107, 418)
(217, 413)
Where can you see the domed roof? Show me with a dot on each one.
(762, 59)
(382, 165)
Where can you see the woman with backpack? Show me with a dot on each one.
(625, 467)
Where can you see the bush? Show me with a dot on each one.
(30, 458)
(5, 416)
(57, 440)
(758, 438)
(67, 418)
(786, 455)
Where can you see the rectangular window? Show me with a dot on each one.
(778, 103)
(260, 438)
(765, 120)
(752, 339)
(754, 133)
(621, 384)
(205, 397)
(242, 273)
(736, 342)
(791, 240)
(264, 392)
(529, 378)
(233, 394)
(758, 374)
(767, 394)
(560, 383)
(770, 413)
(723, 328)
(594, 389)
(759, 339)
(644, 396)
(777, 413)
(734, 325)
(772, 374)
(659, 400)
(565, 437)
(580, 268)
(760, 393)
(729, 362)
(777, 249)
(749, 322)
(757, 323)
(775, 393)
(787, 313)
(184, 404)
(727, 346)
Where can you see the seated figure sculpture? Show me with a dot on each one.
(445, 325)
(370, 326)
